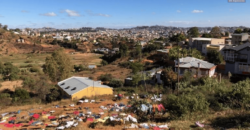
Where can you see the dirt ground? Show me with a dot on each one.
(11, 85)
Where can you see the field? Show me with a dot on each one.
(39, 59)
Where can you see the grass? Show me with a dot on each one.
(22, 60)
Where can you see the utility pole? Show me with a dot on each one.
(178, 77)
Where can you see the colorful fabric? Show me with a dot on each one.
(51, 117)
(9, 125)
(156, 128)
(76, 112)
(161, 107)
(90, 119)
(36, 116)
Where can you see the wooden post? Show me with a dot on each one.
(220, 77)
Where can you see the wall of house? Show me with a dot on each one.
(217, 41)
(92, 91)
(230, 67)
(246, 51)
(212, 71)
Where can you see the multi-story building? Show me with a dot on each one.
(238, 59)
(238, 39)
(199, 43)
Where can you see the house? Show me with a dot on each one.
(209, 47)
(238, 59)
(196, 66)
(199, 42)
(238, 39)
(79, 87)
(92, 66)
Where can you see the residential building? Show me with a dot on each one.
(237, 59)
(238, 39)
(196, 66)
(199, 42)
(209, 47)
(79, 87)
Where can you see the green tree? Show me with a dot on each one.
(104, 62)
(21, 94)
(105, 77)
(193, 32)
(226, 34)
(238, 31)
(215, 32)
(246, 30)
(123, 50)
(136, 78)
(10, 72)
(177, 38)
(115, 83)
(136, 67)
(168, 76)
(206, 35)
(58, 66)
(5, 27)
(214, 57)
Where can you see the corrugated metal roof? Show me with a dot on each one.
(188, 62)
(75, 84)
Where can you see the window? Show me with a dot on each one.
(73, 89)
(62, 84)
(244, 68)
(67, 87)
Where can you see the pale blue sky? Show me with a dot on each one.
(122, 13)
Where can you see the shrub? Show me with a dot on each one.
(21, 94)
(183, 105)
(115, 83)
(105, 77)
(34, 69)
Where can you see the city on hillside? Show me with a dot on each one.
(127, 64)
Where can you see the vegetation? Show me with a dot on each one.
(58, 66)
(173, 53)
(215, 57)
(9, 71)
(123, 50)
(215, 32)
(238, 31)
(193, 32)
(177, 38)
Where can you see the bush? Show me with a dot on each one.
(115, 83)
(184, 105)
(34, 69)
(104, 62)
(20, 94)
(105, 77)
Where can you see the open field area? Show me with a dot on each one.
(39, 59)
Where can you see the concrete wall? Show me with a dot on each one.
(217, 41)
(92, 91)
(230, 67)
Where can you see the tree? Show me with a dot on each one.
(115, 83)
(193, 32)
(136, 78)
(105, 77)
(123, 50)
(215, 32)
(136, 67)
(5, 27)
(177, 38)
(238, 31)
(58, 66)
(226, 34)
(246, 30)
(214, 57)
(168, 76)
(207, 35)
(21, 94)
(1, 25)
(104, 62)
(10, 72)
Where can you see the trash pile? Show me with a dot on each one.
(68, 116)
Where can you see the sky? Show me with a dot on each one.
(122, 13)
